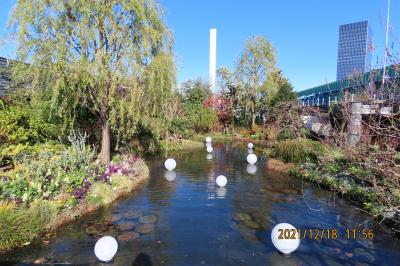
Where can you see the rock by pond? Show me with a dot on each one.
(251, 224)
(240, 217)
(126, 226)
(245, 219)
(96, 230)
(116, 218)
(133, 214)
(148, 219)
(128, 236)
(145, 228)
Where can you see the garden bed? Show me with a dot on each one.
(19, 225)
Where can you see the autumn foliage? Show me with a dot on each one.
(222, 107)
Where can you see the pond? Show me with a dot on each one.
(188, 220)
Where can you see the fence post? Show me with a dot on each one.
(355, 124)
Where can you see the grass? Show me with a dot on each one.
(365, 196)
(18, 226)
(181, 144)
(278, 166)
(298, 150)
(100, 194)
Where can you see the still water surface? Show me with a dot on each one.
(198, 223)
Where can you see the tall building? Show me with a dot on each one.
(354, 49)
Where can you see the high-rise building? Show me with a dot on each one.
(354, 49)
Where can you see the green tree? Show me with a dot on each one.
(255, 64)
(95, 54)
(195, 92)
(282, 93)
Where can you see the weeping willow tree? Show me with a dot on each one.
(113, 57)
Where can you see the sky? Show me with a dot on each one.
(304, 33)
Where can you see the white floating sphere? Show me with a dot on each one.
(209, 156)
(170, 175)
(250, 145)
(251, 169)
(209, 149)
(170, 164)
(286, 245)
(106, 248)
(251, 158)
(208, 144)
(250, 151)
(221, 180)
(208, 139)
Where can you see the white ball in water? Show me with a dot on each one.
(251, 169)
(170, 164)
(209, 149)
(221, 180)
(286, 246)
(208, 139)
(170, 175)
(250, 145)
(208, 144)
(209, 156)
(106, 248)
(252, 158)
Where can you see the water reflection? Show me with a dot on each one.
(199, 223)
(170, 175)
(278, 259)
(251, 169)
(209, 156)
(221, 192)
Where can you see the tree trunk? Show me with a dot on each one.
(253, 121)
(105, 143)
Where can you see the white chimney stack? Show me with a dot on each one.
(213, 55)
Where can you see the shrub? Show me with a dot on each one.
(46, 172)
(200, 118)
(270, 134)
(27, 125)
(286, 133)
(180, 127)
